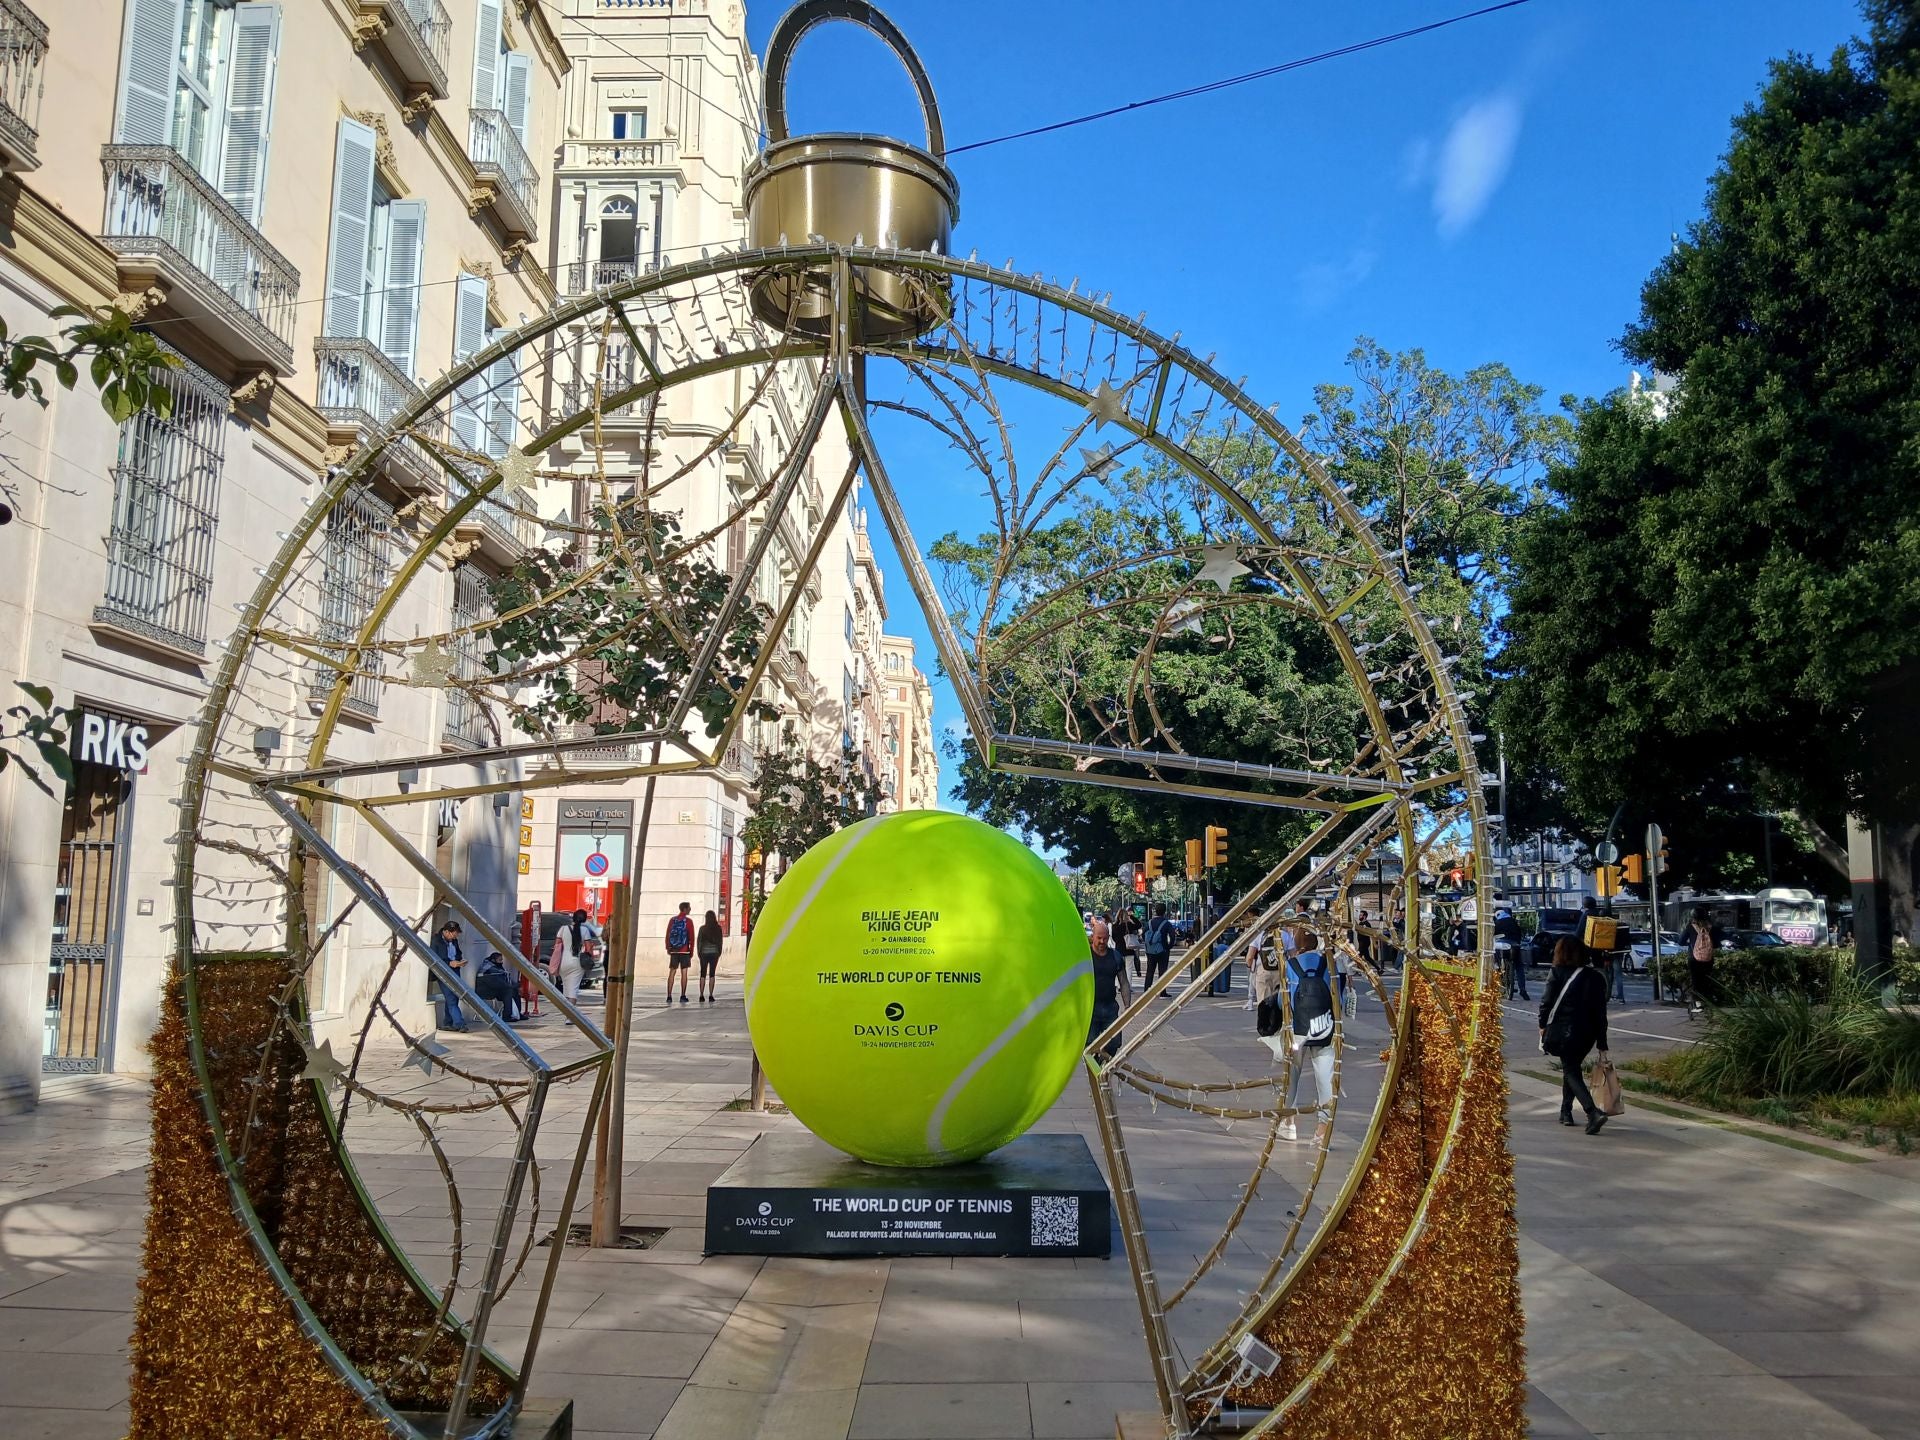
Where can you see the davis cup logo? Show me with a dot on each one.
(896, 1010)
(766, 1207)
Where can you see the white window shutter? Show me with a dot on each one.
(503, 405)
(469, 335)
(406, 238)
(353, 176)
(486, 55)
(149, 49)
(518, 78)
(249, 116)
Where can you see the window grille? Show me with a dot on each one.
(166, 509)
(352, 579)
(466, 719)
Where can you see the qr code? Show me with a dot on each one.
(1056, 1220)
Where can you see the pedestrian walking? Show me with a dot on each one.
(1121, 932)
(1573, 1022)
(1310, 1005)
(1510, 945)
(1363, 941)
(708, 944)
(566, 961)
(680, 939)
(1157, 941)
(447, 948)
(1256, 947)
(1110, 988)
(1701, 941)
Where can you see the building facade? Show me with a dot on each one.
(659, 121)
(315, 204)
(912, 775)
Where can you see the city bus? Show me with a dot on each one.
(1799, 917)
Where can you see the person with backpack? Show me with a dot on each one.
(708, 944)
(566, 962)
(680, 950)
(1701, 942)
(1158, 942)
(1573, 1021)
(1310, 1033)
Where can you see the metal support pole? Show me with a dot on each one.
(609, 1154)
(1654, 839)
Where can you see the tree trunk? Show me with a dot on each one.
(1825, 846)
(1897, 854)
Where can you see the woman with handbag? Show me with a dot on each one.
(1573, 1021)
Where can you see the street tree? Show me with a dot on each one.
(805, 795)
(1724, 600)
(1444, 467)
(613, 623)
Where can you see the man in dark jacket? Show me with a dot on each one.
(1573, 1022)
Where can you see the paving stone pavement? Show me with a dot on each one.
(1681, 1278)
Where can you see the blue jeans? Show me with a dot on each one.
(456, 1020)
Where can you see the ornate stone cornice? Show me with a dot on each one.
(384, 158)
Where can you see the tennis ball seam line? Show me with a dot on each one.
(1035, 1008)
(799, 912)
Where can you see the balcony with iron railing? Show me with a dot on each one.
(361, 390)
(415, 36)
(23, 50)
(170, 228)
(505, 530)
(583, 276)
(601, 156)
(508, 181)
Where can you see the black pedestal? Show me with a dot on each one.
(1042, 1195)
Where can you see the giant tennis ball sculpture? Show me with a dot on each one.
(918, 989)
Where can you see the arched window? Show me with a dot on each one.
(617, 234)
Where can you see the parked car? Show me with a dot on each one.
(1640, 950)
(1554, 926)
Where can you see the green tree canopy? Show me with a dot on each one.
(1726, 598)
(1443, 466)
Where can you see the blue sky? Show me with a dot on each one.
(1495, 191)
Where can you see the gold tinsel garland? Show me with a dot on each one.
(217, 1348)
(1439, 1354)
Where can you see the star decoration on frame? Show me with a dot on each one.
(1220, 565)
(433, 666)
(1108, 405)
(1100, 463)
(1183, 617)
(518, 471)
(424, 1053)
(321, 1064)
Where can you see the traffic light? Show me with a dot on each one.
(1140, 881)
(1152, 867)
(1636, 868)
(1195, 859)
(1660, 860)
(1607, 880)
(1216, 845)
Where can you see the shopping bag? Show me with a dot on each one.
(1604, 1082)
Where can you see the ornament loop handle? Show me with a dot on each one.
(809, 13)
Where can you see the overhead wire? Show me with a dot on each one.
(1248, 77)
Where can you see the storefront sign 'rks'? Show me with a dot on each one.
(117, 744)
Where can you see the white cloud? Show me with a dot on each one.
(1326, 281)
(1473, 160)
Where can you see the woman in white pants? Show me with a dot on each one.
(565, 962)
